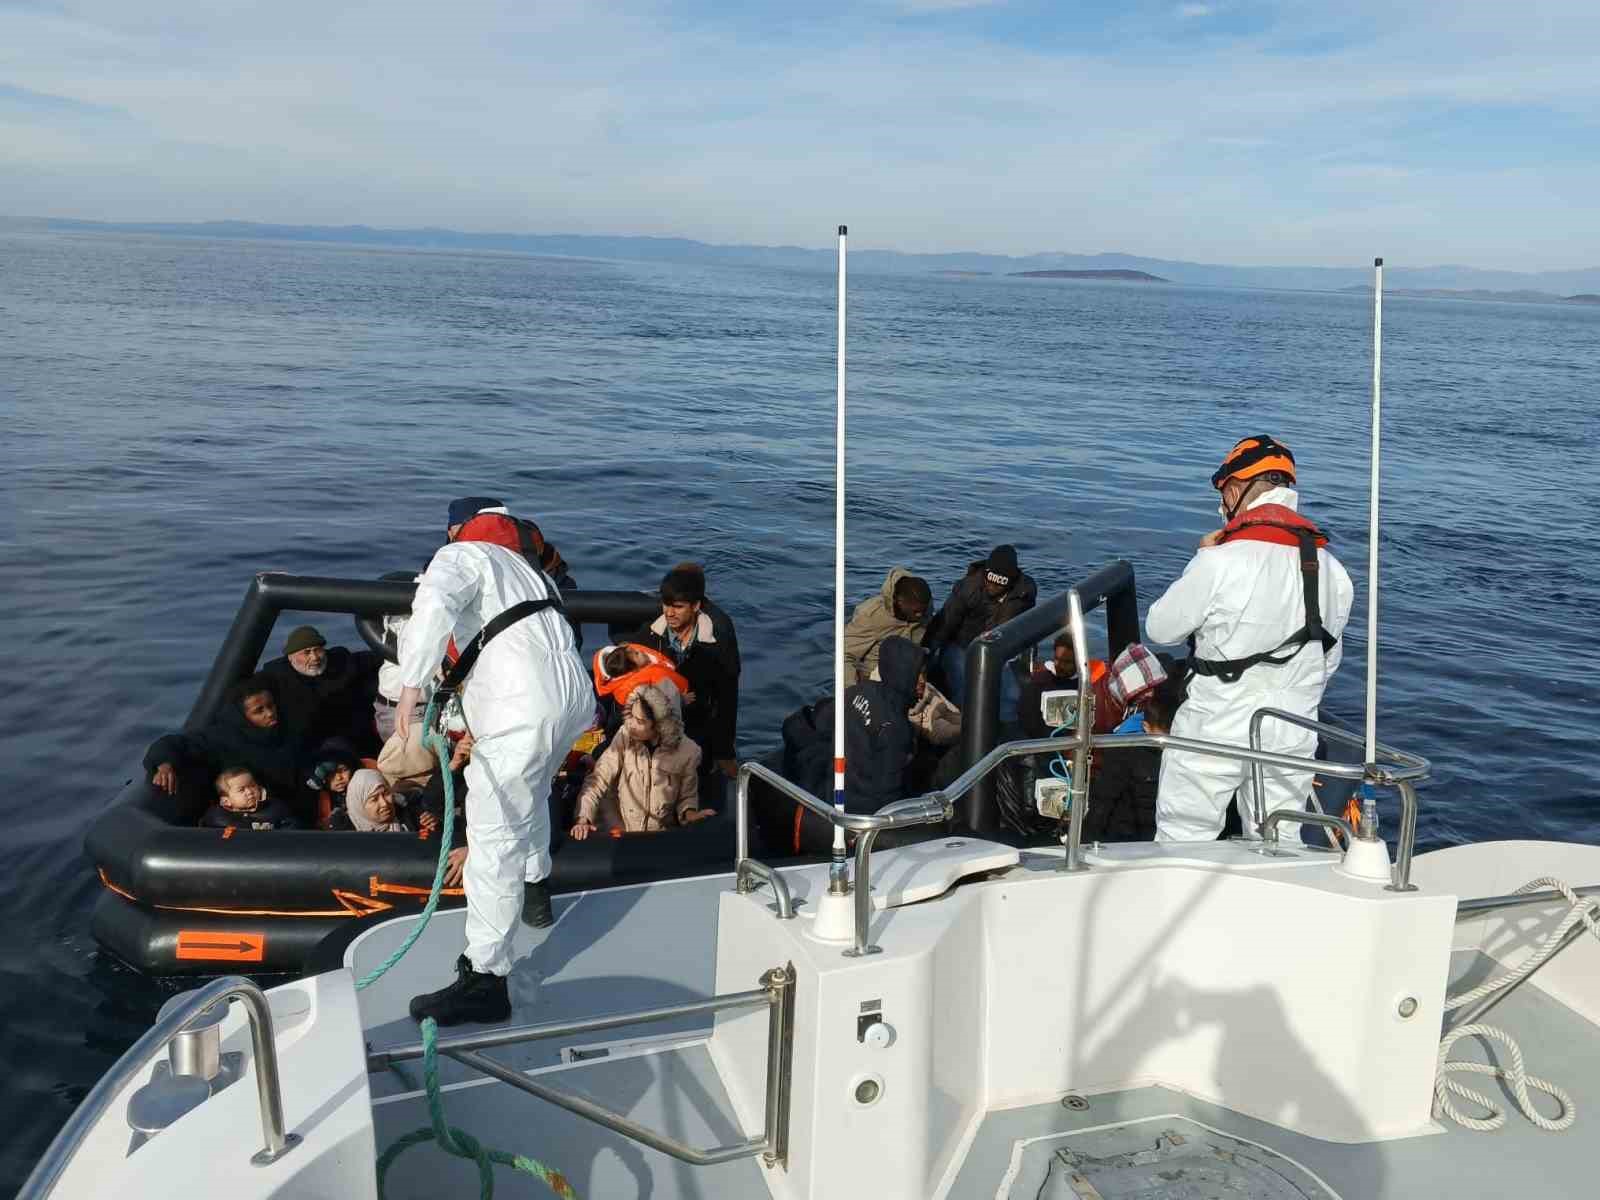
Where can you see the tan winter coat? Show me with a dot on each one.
(872, 621)
(645, 788)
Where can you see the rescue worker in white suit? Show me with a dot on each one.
(1265, 604)
(526, 699)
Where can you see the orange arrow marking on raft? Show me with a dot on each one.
(383, 887)
(221, 947)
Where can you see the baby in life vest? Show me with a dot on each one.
(242, 803)
(648, 779)
(621, 668)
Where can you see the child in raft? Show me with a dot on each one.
(242, 803)
(648, 779)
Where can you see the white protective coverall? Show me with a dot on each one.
(526, 701)
(1241, 598)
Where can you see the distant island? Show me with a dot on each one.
(1521, 296)
(1549, 286)
(1121, 276)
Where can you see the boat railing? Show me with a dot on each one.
(1392, 768)
(48, 1171)
(775, 994)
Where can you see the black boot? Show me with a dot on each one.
(536, 910)
(474, 996)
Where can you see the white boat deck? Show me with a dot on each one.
(666, 1076)
(671, 1084)
(1202, 1024)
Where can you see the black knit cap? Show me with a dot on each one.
(303, 638)
(1003, 563)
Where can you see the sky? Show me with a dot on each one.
(1433, 131)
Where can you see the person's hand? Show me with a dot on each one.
(428, 823)
(403, 709)
(455, 864)
(729, 767)
(1211, 539)
(688, 699)
(165, 777)
(462, 754)
(581, 830)
(698, 814)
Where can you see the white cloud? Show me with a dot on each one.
(608, 117)
(932, 6)
(1190, 11)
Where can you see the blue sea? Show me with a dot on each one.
(179, 413)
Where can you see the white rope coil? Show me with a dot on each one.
(1515, 1074)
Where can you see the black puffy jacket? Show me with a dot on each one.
(970, 610)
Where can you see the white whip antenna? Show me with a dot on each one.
(838, 880)
(1372, 531)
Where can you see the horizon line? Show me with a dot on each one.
(401, 230)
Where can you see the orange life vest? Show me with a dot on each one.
(620, 687)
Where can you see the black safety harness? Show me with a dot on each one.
(1230, 670)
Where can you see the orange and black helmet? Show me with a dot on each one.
(1254, 456)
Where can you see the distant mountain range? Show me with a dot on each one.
(659, 249)
(1117, 276)
(1520, 296)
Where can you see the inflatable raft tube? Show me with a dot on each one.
(181, 900)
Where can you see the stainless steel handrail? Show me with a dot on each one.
(903, 814)
(1467, 909)
(1269, 827)
(1082, 761)
(379, 1060)
(776, 994)
(939, 805)
(48, 1171)
(1411, 768)
(765, 874)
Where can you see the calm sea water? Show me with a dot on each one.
(180, 413)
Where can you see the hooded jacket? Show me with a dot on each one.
(878, 735)
(645, 787)
(970, 610)
(335, 704)
(711, 667)
(873, 620)
(274, 756)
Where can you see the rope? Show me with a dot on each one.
(459, 1142)
(451, 1140)
(1515, 1076)
(433, 740)
(1059, 767)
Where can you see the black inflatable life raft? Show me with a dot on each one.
(185, 900)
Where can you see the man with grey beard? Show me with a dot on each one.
(326, 692)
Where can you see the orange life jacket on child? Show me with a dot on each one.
(659, 669)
